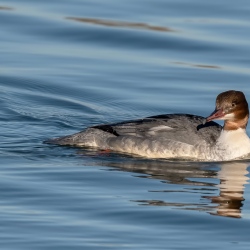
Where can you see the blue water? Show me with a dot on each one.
(66, 65)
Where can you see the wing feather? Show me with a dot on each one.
(177, 127)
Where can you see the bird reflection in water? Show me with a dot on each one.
(219, 186)
(233, 177)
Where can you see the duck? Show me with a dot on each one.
(175, 136)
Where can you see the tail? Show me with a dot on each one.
(90, 137)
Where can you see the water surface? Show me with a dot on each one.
(67, 65)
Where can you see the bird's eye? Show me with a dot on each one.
(233, 104)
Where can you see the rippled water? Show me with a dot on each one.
(66, 65)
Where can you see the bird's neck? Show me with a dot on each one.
(235, 124)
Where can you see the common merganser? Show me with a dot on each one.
(179, 136)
